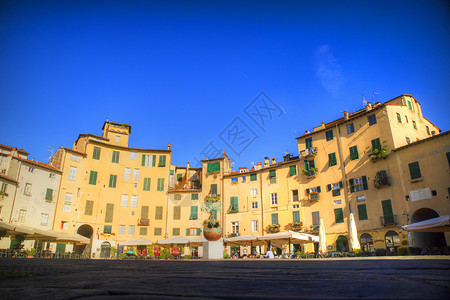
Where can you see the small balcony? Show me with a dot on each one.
(381, 180)
(143, 222)
(212, 197)
(308, 152)
(312, 172)
(378, 154)
(313, 196)
(388, 220)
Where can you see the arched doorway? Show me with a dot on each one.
(86, 231)
(366, 242)
(427, 239)
(342, 243)
(392, 241)
(105, 250)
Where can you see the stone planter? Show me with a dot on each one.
(212, 234)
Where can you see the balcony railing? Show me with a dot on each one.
(143, 222)
(388, 220)
(313, 197)
(310, 173)
(380, 180)
(308, 152)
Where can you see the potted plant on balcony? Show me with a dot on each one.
(273, 228)
(379, 154)
(295, 226)
(212, 231)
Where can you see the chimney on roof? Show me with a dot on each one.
(369, 106)
(345, 115)
(258, 166)
(223, 153)
(307, 131)
(266, 162)
(169, 147)
(188, 165)
(323, 123)
(274, 161)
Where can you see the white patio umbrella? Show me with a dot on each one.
(322, 238)
(290, 237)
(244, 240)
(354, 242)
(175, 240)
(136, 242)
(439, 224)
(410, 239)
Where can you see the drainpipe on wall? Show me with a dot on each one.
(15, 192)
(262, 203)
(344, 174)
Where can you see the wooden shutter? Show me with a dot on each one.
(188, 231)
(307, 191)
(194, 196)
(143, 160)
(96, 154)
(158, 213)
(93, 178)
(296, 216)
(272, 173)
(144, 212)
(306, 164)
(292, 170)
(351, 183)
(194, 213)
(88, 208)
(274, 219)
(154, 160)
(199, 231)
(362, 212)
(213, 189)
(109, 212)
(339, 215)
(316, 217)
(364, 182)
(387, 212)
(177, 212)
(376, 144)
(49, 195)
(308, 143)
(319, 189)
(328, 187)
(162, 161)
(414, 170)
(253, 177)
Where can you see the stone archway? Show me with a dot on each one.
(427, 239)
(86, 231)
(392, 241)
(105, 250)
(366, 242)
(342, 244)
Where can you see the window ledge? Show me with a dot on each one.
(416, 180)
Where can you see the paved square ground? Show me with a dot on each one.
(407, 277)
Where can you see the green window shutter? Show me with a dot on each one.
(144, 212)
(306, 165)
(188, 231)
(213, 167)
(49, 195)
(376, 144)
(177, 212)
(339, 215)
(362, 212)
(162, 161)
(253, 177)
(109, 212)
(171, 172)
(146, 184)
(292, 170)
(143, 160)
(354, 153)
(112, 181)
(235, 203)
(387, 212)
(308, 143)
(448, 158)
(213, 189)
(414, 170)
(93, 178)
(307, 191)
(351, 183)
(107, 229)
(88, 208)
(332, 159)
(318, 189)
(154, 160)
(296, 216)
(336, 193)
(179, 177)
(199, 231)
(158, 213)
(275, 219)
(272, 173)
(194, 196)
(115, 156)
(410, 105)
(364, 182)
(194, 213)
(160, 184)
(96, 154)
(328, 187)
(329, 135)
(341, 184)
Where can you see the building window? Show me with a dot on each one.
(295, 206)
(315, 219)
(360, 198)
(162, 161)
(243, 178)
(414, 125)
(136, 174)
(88, 208)
(372, 120)
(122, 229)
(234, 227)
(295, 195)
(126, 174)
(308, 143)
(253, 177)
(335, 188)
(275, 219)
(115, 157)
(75, 157)
(255, 227)
(410, 105)
(414, 170)
(72, 173)
(64, 225)
(329, 135)
(292, 170)
(27, 190)
(44, 219)
(109, 211)
(254, 205)
(274, 199)
(112, 181)
(332, 159)
(147, 184)
(354, 153)
(96, 153)
(107, 229)
(157, 231)
(296, 216)
(337, 202)
(399, 118)
(253, 192)
(158, 212)
(358, 184)
(194, 213)
(177, 212)
(376, 144)
(234, 205)
(133, 155)
(31, 169)
(273, 176)
(131, 230)
(234, 180)
(133, 201)
(117, 139)
(148, 160)
(428, 130)
(339, 215)
(176, 231)
(213, 167)
(124, 201)
(143, 231)
(68, 202)
(93, 178)
(350, 128)
(177, 197)
(4, 186)
(408, 140)
(194, 196)
(160, 186)
(49, 195)
(362, 212)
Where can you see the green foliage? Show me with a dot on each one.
(357, 252)
(300, 254)
(31, 252)
(150, 251)
(165, 253)
(380, 252)
(225, 254)
(113, 252)
(402, 251)
(122, 255)
(187, 257)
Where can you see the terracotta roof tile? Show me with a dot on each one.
(7, 178)
(38, 163)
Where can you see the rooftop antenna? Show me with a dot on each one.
(231, 164)
(373, 96)
(364, 100)
(52, 151)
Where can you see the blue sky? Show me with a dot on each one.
(184, 72)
